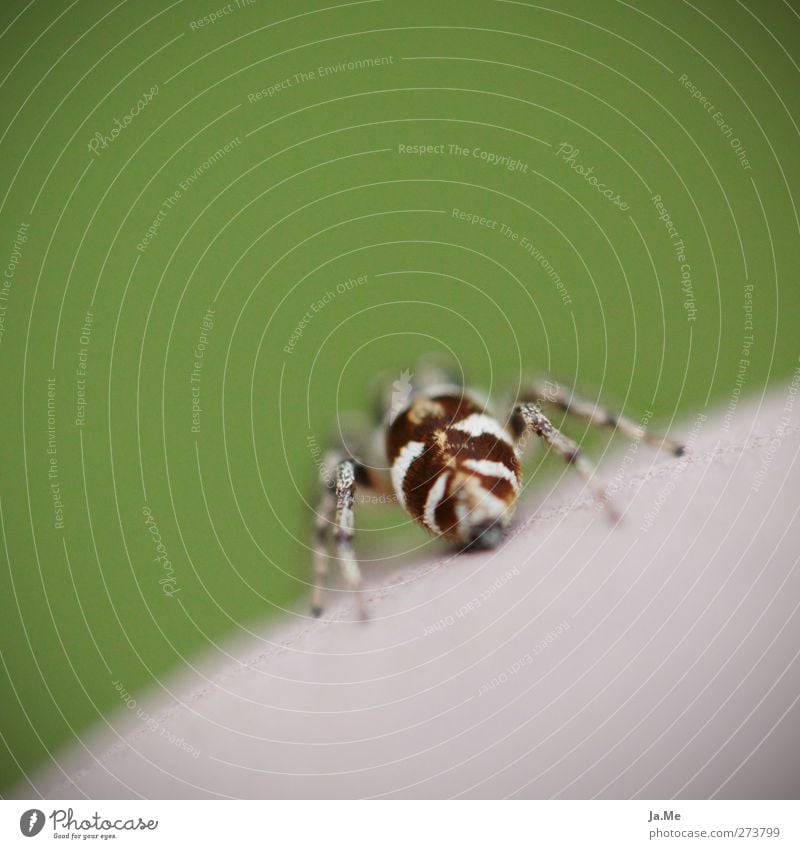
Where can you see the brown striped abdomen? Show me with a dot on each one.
(453, 465)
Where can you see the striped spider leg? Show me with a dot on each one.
(528, 417)
(335, 522)
(551, 392)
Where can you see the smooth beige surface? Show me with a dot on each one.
(657, 659)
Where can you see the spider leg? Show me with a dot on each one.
(335, 522)
(528, 418)
(551, 392)
(344, 523)
(324, 516)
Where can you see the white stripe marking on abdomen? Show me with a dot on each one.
(493, 470)
(433, 500)
(408, 453)
(478, 424)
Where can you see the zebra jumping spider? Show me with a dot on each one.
(452, 465)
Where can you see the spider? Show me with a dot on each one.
(452, 465)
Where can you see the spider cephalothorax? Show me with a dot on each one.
(453, 466)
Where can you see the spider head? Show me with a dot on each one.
(485, 536)
(482, 514)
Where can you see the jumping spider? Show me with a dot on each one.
(453, 466)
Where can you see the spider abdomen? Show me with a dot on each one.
(454, 467)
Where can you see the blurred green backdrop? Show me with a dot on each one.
(188, 187)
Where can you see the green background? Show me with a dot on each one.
(316, 192)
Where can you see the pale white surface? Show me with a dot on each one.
(654, 659)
